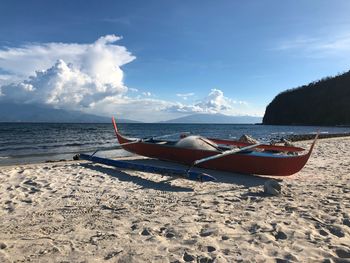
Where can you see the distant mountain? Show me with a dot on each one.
(12, 112)
(325, 102)
(215, 118)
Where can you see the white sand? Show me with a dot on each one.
(81, 212)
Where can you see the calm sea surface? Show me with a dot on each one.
(38, 142)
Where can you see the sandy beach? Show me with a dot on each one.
(81, 212)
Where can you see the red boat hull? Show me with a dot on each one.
(248, 163)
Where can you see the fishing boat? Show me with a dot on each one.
(225, 155)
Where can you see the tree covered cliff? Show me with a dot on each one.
(324, 102)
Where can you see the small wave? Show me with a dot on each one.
(19, 148)
(86, 150)
(4, 157)
(74, 144)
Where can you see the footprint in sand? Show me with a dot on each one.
(168, 232)
(211, 249)
(205, 232)
(26, 200)
(9, 206)
(203, 259)
(342, 252)
(281, 260)
(346, 222)
(170, 235)
(10, 188)
(280, 235)
(31, 186)
(323, 232)
(33, 190)
(146, 232)
(134, 227)
(95, 239)
(336, 230)
(188, 257)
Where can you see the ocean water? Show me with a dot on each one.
(39, 142)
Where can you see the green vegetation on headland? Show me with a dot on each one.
(324, 102)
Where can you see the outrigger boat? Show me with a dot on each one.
(224, 155)
(246, 158)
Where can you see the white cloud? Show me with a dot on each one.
(146, 93)
(151, 110)
(62, 86)
(5, 79)
(77, 75)
(89, 77)
(215, 102)
(94, 58)
(142, 109)
(325, 45)
(185, 95)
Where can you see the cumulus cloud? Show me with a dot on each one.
(89, 77)
(62, 86)
(65, 75)
(215, 102)
(95, 57)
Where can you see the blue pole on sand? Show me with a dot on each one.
(197, 176)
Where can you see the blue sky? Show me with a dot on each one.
(176, 57)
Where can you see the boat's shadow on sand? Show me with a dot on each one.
(243, 180)
(246, 180)
(128, 177)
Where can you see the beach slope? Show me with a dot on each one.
(82, 212)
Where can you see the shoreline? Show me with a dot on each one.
(109, 153)
(305, 137)
(78, 211)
